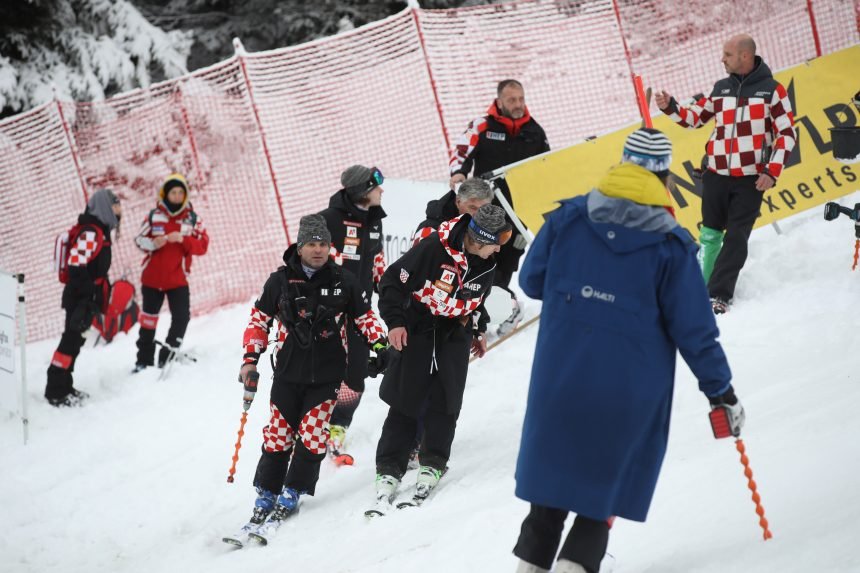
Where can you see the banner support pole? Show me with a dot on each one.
(22, 340)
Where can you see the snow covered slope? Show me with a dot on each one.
(136, 480)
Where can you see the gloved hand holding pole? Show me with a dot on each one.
(249, 378)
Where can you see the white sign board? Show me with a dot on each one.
(8, 305)
(405, 203)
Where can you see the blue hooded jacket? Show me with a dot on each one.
(621, 292)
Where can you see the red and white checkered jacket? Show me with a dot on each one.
(754, 130)
(438, 278)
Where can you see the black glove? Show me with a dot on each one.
(727, 415)
(377, 365)
(249, 378)
(83, 315)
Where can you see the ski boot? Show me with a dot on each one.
(514, 320)
(286, 505)
(263, 506)
(386, 489)
(428, 478)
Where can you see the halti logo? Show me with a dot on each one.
(589, 292)
(759, 94)
(495, 135)
(725, 91)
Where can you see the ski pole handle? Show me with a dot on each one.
(250, 382)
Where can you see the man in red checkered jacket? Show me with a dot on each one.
(747, 152)
(313, 299)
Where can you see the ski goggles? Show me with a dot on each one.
(376, 179)
(482, 235)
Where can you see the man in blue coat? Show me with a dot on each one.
(621, 291)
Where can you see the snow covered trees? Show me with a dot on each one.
(87, 49)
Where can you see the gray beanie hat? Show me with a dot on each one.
(487, 223)
(312, 228)
(101, 205)
(355, 180)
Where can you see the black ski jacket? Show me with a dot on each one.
(356, 239)
(436, 292)
(312, 314)
(437, 212)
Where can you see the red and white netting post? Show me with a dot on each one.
(241, 55)
(272, 131)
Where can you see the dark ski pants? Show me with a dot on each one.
(399, 433)
(179, 302)
(730, 204)
(298, 428)
(541, 532)
(356, 372)
(63, 362)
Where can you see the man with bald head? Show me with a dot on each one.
(746, 153)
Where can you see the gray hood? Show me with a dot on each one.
(101, 205)
(605, 209)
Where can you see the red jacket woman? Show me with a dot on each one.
(171, 235)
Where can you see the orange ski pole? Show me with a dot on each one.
(759, 509)
(238, 445)
(250, 389)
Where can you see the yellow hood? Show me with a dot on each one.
(635, 183)
(179, 178)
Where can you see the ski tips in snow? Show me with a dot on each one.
(260, 533)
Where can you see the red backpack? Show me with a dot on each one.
(122, 311)
(63, 244)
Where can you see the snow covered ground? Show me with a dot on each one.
(136, 480)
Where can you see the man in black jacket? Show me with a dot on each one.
(432, 301)
(354, 218)
(470, 196)
(312, 298)
(505, 135)
(86, 293)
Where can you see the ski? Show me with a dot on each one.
(265, 532)
(417, 500)
(175, 355)
(383, 506)
(241, 537)
(522, 326)
(422, 494)
(341, 459)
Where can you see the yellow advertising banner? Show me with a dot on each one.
(820, 93)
